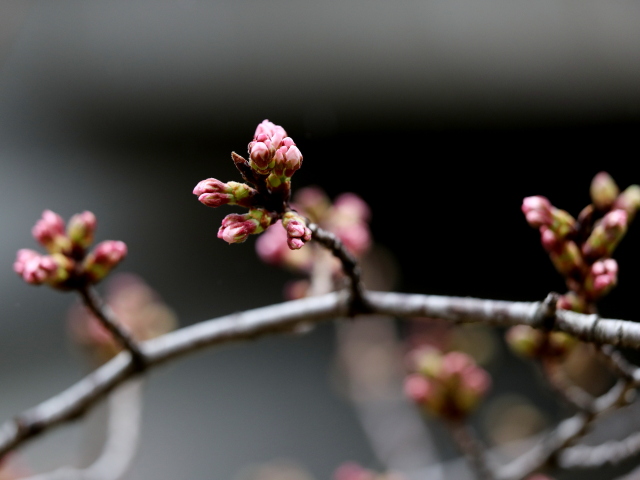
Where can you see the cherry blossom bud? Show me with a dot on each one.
(103, 258)
(33, 267)
(261, 157)
(604, 191)
(214, 193)
(525, 340)
(417, 388)
(297, 231)
(567, 259)
(49, 232)
(602, 277)
(629, 200)
(236, 228)
(549, 240)
(537, 210)
(312, 201)
(606, 235)
(351, 205)
(81, 228)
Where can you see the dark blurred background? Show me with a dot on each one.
(441, 114)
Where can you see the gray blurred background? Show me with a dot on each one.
(460, 108)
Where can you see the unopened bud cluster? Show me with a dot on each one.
(139, 309)
(449, 386)
(273, 159)
(580, 250)
(69, 262)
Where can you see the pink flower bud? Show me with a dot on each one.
(260, 155)
(211, 185)
(295, 243)
(606, 235)
(104, 257)
(293, 161)
(49, 232)
(417, 388)
(629, 200)
(535, 203)
(602, 278)
(236, 228)
(33, 267)
(271, 246)
(81, 228)
(272, 131)
(297, 231)
(604, 191)
(548, 239)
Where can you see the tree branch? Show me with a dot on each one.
(285, 317)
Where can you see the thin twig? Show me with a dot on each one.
(285, 317)
(472, 449)
(546, 453)
(350, 267)
(107, 318)
(123, 433)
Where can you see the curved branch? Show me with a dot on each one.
(285, 317)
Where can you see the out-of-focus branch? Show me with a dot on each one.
(123, 432)
(286, 317)
(472, 449)
(546, 452)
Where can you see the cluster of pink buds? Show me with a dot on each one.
(347, 217)
(581, 249)
(448, 386)
(69, 264)
(138, 308)
(273, 159)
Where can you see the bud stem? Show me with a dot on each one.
(350, 267)
(105, 315)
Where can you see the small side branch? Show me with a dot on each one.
(350, 267)
(107, 318)
(472, 449)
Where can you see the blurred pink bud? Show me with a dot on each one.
(525, 340)
(352, 205)
(629, 200)
(548, 238)
(81, 228)
(604, 191)
(271, 245)
(356, 237)
(103, 258)
(295, 243)
(48, 230)
(33, 267)
(353, 471)
(603, 277)
(606, 235)
(537, 211)
(417, 388)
